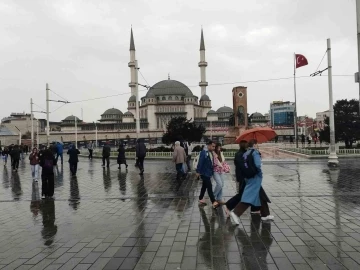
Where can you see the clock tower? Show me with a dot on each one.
(240, 106)
(240, 123)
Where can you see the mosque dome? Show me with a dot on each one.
(204, 98)
(169, 87)
(225, 109)
(112, 111)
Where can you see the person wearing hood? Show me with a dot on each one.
(73, 159)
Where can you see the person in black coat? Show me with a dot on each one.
(15, 157)
(121, 159)
(47, 161)
(230, 204)
(73, 159)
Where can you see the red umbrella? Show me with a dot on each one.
(261, 134)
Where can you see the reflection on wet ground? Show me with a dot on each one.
(111, 219)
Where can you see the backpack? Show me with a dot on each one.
(247, 165)
(48, 164)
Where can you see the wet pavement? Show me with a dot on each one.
(110, 219)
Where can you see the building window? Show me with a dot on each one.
(176, 98)
(182, 98)
(170, 98)
(163, 98)
(157, 98)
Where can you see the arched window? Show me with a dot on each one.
(157, 98)
(176, 98)
(182, 98)
(163, 98)
(170, 98)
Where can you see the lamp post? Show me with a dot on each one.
(19, 135)
(96, 135)
(333, 159)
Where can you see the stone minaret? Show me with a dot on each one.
(202, 64)
(133, 79)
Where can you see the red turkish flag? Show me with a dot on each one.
(300, 60)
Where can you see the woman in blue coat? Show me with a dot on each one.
(251, 194)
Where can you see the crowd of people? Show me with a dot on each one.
(211, 164)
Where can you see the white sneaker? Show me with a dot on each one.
(234, 217)
(36, 181)
(267, 218)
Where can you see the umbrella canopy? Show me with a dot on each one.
(261, 134)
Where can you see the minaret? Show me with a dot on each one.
(202, 64)
(133, 79)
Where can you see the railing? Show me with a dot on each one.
(229, 154)
(323, 151)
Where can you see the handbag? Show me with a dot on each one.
(226, 167)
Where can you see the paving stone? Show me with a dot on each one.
(120, 221)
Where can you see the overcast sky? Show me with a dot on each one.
(81, 48)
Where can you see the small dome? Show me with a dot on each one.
(72, 118)
(205, 98)
(113, 111)
(257, 114)
(132, 99)
(212, 112)
(150, 95)
(225, 109)
(128, 114)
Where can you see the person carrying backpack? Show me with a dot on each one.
(251, 169)
(47, 161)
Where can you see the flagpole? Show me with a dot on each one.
(295, 112)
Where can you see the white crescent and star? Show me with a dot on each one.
(299, 58)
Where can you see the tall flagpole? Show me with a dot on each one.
(295, 112)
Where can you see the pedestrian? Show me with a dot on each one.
(47, 161)
(231, 203)
(22, 152)
(59, 152)
(90, 147)
(251, 193)
(121, 159)
(141, 154)
(205, 169)
(309, 139)
(303, 140)
(106, 155)
(15, 157)
(188, 149)
(220, 168)
(73, 159)
(179, 158)
(5, 155)
(291, 140)
(34, 163)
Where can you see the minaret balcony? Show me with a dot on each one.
(203, 64)
(203, 83)
(131, 64)
(132, 84)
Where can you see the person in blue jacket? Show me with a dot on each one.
(205, 171)
(59, 152)
(251, 194)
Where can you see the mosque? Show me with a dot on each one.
(164, 100)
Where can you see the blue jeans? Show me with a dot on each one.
(59, 155)
(218, 190)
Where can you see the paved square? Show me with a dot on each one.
(111, 219)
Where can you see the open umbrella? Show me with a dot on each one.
(261, 134)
